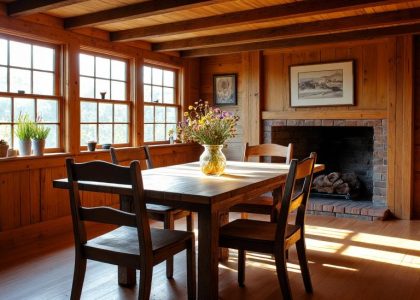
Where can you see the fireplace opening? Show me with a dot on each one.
(346, 151)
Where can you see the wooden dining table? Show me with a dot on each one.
(184, 186)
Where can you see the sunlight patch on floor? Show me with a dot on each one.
(323, 246)
(386, 241)
(340, 267)
(327, 232)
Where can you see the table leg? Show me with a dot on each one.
(223, 220)
(208, 258)
(126, 276)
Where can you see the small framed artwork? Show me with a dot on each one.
(224, 89)
(322, 84)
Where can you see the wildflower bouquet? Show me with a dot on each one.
(206, 125)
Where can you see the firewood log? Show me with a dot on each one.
(342, 189)
(334, 176)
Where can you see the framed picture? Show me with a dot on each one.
(322, 84)
(224, 89)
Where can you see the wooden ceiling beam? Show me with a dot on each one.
(263, 14)
(133, 11)
(25, 7)
(393, 18)
(306, 41)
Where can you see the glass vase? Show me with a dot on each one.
(212, 160)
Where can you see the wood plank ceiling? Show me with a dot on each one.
(202, 27)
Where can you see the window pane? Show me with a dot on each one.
(147, 75)
(157, 76)
(86, 65)
(168, 78)
(160, 132)
(22, 106)
(87, 87)
(171, 114)
(148, 133)
(102, 86)
(43, 58)
(157, 94)
(43, 83)
(105, 112)
(20, 54)
(120, 113)
(87, 133)
(168, 95)
(3, 52)
(149, 115)
(105, 134)
(48, 110)
(147, 93)
(5, 110)
(118, 70)
(6, 133)
(168, 127)
(118, 90)
(52, 139)
(160, 114)
(88, 112)
(121, 133)
(20, 80)
(103, 67)
(3, 79)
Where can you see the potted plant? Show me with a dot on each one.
(91, 145)
(24, 130)
(39, 135)
(3, 148)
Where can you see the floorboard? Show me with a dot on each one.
(348, 259)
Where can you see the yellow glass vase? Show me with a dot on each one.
(212, 160)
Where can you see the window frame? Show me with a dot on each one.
(57, 86)
(177, 97)
(127, 102)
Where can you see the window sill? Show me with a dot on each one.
(31, 157)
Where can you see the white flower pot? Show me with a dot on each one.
(38, 147)
(24, 147)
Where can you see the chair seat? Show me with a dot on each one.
(156, 208)
(260, 205)
(124, 240)
(259, 235)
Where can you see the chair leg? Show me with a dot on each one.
(191, 280)
(145, 282)
(241, 267)
(190, 222)
(169, 224)
(78, 278)
(303, 262)
(282, 275)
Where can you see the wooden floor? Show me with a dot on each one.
(349, 259)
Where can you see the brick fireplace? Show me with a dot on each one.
(364, 144)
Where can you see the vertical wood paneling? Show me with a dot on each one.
(416, 200)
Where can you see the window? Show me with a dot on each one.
(104, 107)
(160, 103)
(28, 84)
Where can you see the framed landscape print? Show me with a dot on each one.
(322, 84)
(224, 89)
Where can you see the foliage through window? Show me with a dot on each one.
(160, 103)
(28, 84)
(104, 107)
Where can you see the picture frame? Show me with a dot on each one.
(326, 84)
(225, 89)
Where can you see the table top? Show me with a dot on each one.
(186, 183)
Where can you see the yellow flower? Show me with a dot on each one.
(186, 114)
(190, 107)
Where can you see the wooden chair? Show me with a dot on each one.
(134, 244)
(276, 238)
(162, 213)
(263, 204)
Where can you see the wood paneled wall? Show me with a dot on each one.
(383, 90)
(27, 196)
(416, 202)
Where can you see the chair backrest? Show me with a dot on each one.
(295, 200)
(123, 156)
(104, 173)
(271, 150)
